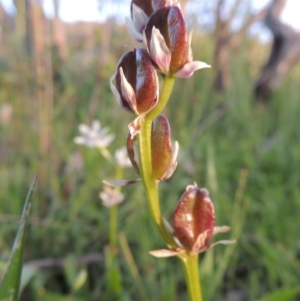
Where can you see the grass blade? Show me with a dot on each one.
(285, 294)
(9, 289)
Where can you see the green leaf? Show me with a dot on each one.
(28, 272)
(285, 294)
(9, 290)
(70, 269)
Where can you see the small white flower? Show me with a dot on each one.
(111, 197)
(94, 136)
(122, 157)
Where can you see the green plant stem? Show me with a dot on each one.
(113, 274)
(113, 218)
(189, 261)
(150, 184)
(164, 98)
(113, 225)
(191, 271)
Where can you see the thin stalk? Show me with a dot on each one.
(191, 271)
(112, 268)
(164, 98)
(113, 225)
(113, 218)
(133, 268)
(150, 184)
(189, 261)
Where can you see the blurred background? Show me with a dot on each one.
(238, 129)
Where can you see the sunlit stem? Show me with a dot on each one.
(191, 271)
(164, 98)
(150, 184)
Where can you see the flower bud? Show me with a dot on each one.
(144, 5)
(157, 4)
(169, 44)
(136, 82)
(167, 26)
(140, 11)
(163, 156)
(194, 219)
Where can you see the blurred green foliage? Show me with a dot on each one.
(245, 153)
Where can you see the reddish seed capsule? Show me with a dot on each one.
(168, 43)
(171, 26)
(140, 11)
(136, 82)
(161, 147)
(194, 219)
(144, 5)
(163, 156)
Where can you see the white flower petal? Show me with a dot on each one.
(169, 172)
(221, 229)
(122, 157)
(114, 90)
(222, 242)
(159, 51)
(132, 30)
(104, 141)
(139, 18)
(135, 126)
(200, 241)
(96, 125)
(175, 150)
(103, 132)
(84, 129)
(192, 186)
(190, 54)
(189, 68)
(94, 136)
(111, 197)
(128, 92)
(79, 140)
(166, 253)
(172, 167)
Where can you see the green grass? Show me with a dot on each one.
(246, 154)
